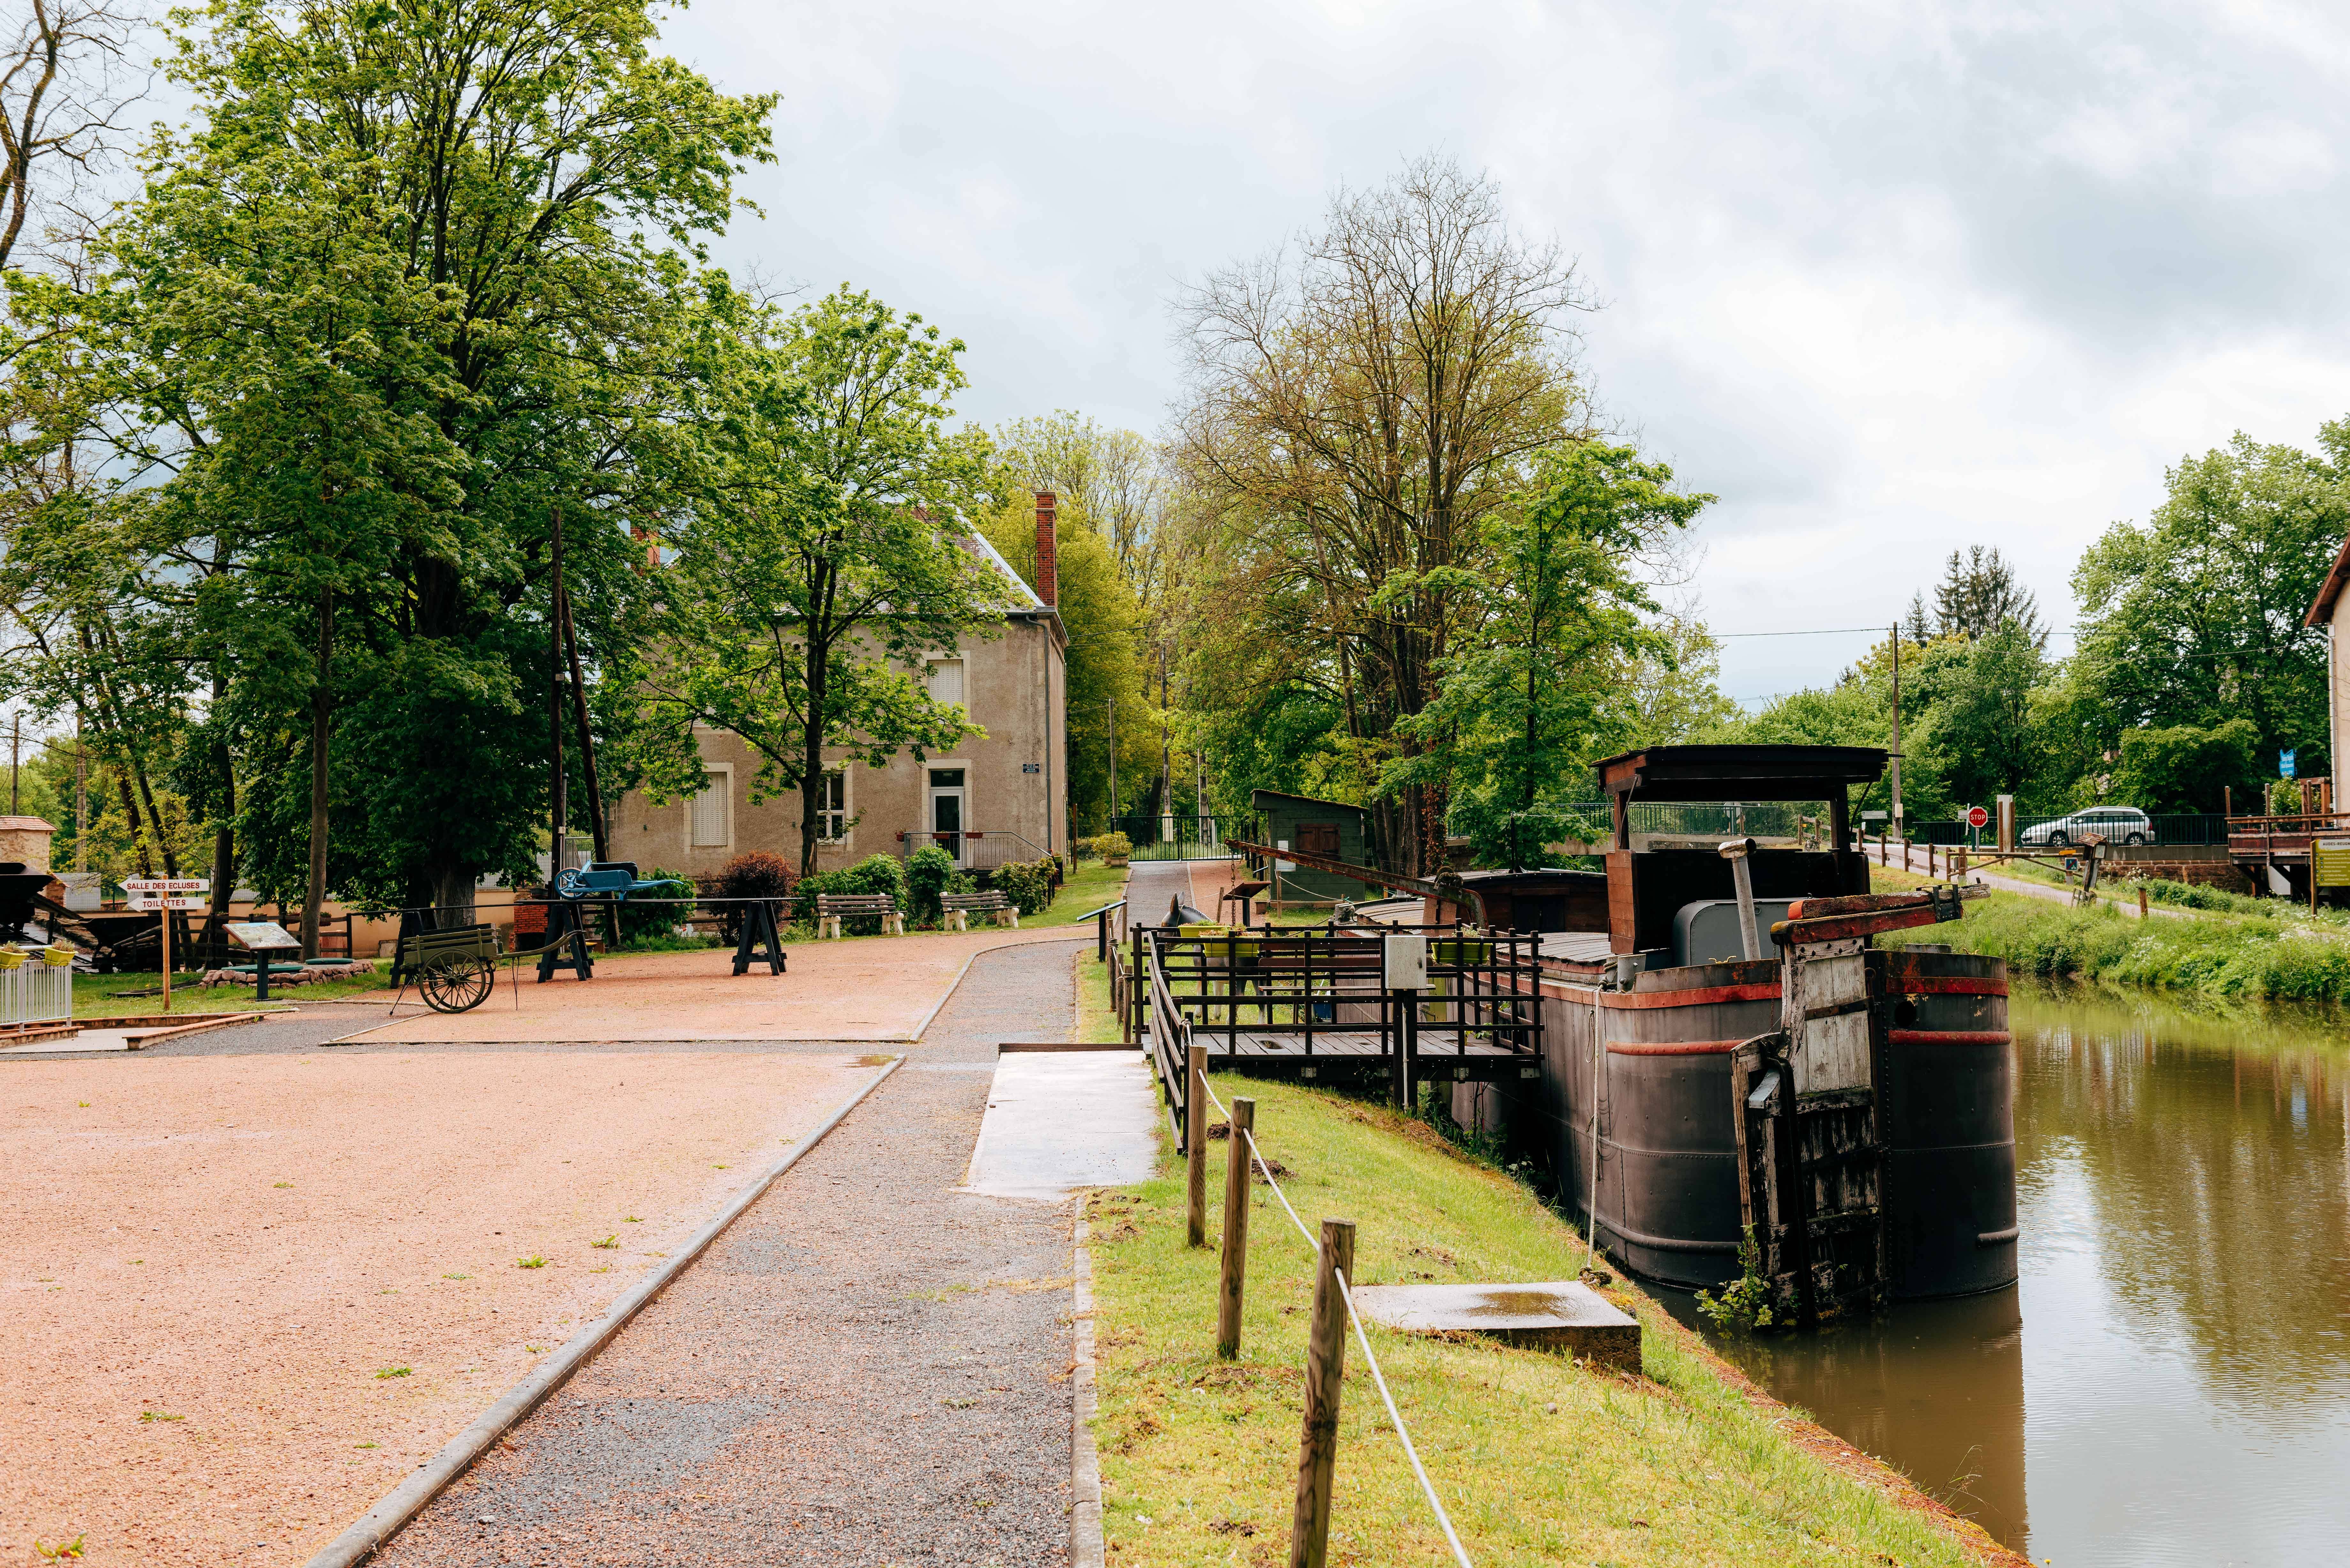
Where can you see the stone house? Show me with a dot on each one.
(1001, 796)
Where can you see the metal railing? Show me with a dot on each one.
(2186, 829)
(35, 986)
(1211, 988)
(1180, 837)
(975, 849)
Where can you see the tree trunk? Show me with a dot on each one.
(224, 832)
(314, 900)
(812, 753)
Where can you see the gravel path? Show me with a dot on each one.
(868, 1368)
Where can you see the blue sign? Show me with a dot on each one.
(2284, 763)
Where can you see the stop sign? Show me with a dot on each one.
(1977, 817)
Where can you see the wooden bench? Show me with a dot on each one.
(959, 907)
(831, 909)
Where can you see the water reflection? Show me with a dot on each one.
(2171, 1380)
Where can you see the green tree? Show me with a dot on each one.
(2195, 617)
(825, 549)
(1533, 693)
(1979, 722)
(2182, 768)
(1103, 620)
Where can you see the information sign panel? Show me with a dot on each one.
(260, 936)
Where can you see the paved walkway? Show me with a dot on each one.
(871, 1368)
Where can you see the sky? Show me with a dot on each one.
(1888, 280)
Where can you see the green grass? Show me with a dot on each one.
(2273, 954)
(1540, 1460)
(101, 995)
(1087, 889)
(1095, 1020)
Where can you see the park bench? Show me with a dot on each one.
(961, 906)
(455, 970)
(832, 908)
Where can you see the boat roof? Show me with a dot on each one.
(1741, 773)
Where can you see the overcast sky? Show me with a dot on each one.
(1888, 280)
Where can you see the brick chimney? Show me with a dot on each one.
(1048, 570)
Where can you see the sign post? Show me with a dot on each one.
(1977, 819)
(167, 894)
(264, 939)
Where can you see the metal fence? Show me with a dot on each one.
(37, 986)
(976, 849)
(1177, 837)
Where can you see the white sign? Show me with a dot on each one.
(168, 901)
(168, 885)
(259, 935)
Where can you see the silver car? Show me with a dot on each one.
(2116, 823)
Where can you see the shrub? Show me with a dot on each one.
(1106, 846)
(1030, 884)
(930, 870)
(754, 874)
(639, 921)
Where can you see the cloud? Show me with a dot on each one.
(1891, 279)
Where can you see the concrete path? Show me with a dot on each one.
(871, 1367)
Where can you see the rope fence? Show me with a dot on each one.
(1310, 1495)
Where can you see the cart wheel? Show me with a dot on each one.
(458, 984)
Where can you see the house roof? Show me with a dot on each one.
(2337, 576)
(1257, 798)
(24, 825)
(1027, 600)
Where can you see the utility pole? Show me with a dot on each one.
(81, 800)
(557, 813)
(1112, 706)
(1166, 751)
(16, 745)
(1899, 832)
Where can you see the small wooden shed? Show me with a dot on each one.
(1325, 827)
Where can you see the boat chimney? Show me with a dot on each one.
(1737, 851)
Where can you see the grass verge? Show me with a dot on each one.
(2276, 956)
(1540, 1460)
(115, 995)
(1085, 889)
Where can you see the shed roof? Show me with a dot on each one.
(2337, 576)
(1259, 797)
(1739, 773)
(26, 824)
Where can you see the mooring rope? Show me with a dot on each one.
(1379, 1378)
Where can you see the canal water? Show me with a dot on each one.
(2169, 1382)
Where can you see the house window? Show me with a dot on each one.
(1318, 839)
(707, 813)
(946, 680)
(832, 807)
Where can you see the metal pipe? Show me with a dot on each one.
(1737, 851)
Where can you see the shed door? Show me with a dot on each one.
(1318, 839)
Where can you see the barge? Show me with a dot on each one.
(1832, 1116)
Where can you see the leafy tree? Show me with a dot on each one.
(2195, 617)
(1360, 405)
(1980, 595)
(1532, 692)
(1676, 690)
(2182, 768)
(824, 552)
(1979, 720)
(1116, 480)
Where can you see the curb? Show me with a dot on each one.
(430, 1479)
(1086, 1549)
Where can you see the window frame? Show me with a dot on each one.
(723, 773)
(844, 817)
(930, 662)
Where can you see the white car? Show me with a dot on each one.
(2116, 823)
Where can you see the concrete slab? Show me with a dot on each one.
(1060, 1120)
(1554, 1314)
(73, 1044)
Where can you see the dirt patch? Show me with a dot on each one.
(246, 1295)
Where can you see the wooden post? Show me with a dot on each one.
(167, 952)
(1236, 1219)
(1195, 1141)
(2141, 903)
(1325, 1369)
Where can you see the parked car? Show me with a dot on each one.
(2117, 824)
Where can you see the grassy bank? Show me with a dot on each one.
(1539, 1460)
(2274, 954)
